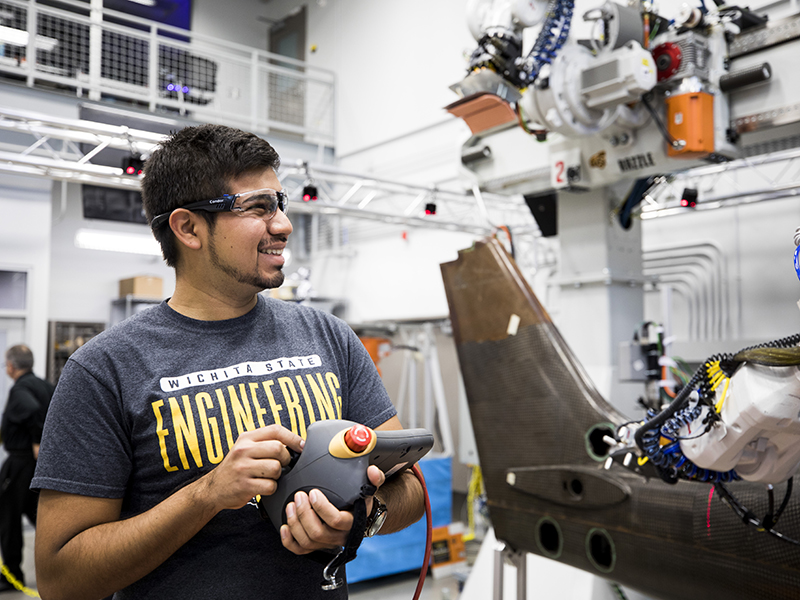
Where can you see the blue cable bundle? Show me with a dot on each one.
(797, 261)
(670, 456)
(551, 38)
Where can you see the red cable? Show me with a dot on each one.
(415, 469)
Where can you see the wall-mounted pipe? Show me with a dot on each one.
(713, 253)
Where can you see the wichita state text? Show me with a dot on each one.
(198, 422)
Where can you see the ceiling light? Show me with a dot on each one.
(117, 241)
(15, 37)
(309, 193)
(19, 37)
(689, 198)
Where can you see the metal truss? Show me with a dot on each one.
(355, 195)
(62, 149)
(774, 176)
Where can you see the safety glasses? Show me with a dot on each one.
(258, 204)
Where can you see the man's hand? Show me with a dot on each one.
(313, 523)
(252, 466)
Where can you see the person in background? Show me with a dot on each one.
(21, 431)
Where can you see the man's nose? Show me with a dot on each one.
(280, 223)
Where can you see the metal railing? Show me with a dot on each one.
(104, 54)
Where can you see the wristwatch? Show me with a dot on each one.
(376, 517)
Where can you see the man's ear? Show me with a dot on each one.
(186, 226)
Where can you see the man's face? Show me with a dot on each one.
(249, 250)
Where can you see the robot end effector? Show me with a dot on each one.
(571, 89)
(738, 417)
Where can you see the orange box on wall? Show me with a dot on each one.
(690, 117)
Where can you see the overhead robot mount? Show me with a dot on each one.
(641, 95)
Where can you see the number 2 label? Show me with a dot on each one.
(559, 172)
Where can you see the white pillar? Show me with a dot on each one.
(601, 299)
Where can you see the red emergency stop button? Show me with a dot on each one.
(358, 437)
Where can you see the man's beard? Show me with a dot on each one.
(255, 278)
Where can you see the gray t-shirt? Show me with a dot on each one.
(158, 400)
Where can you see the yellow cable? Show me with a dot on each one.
(719, 381)
(718, 406)
(18, 585)
(714, 381)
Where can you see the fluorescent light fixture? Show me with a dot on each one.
(145, 2)
(15, 37)
(117, 241)
(46, 44)
(19, 37)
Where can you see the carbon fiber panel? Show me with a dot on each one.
(532, 407)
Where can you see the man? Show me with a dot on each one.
(163, 428)
(21, 431)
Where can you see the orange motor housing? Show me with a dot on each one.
(690, 117)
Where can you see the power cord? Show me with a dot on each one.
(749, 518)
(429, 535)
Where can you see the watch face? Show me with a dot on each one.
(380, 517)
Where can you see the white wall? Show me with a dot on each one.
(392, 276)
(25, 246)
(393, 60)
(387, 275)
(758, 241)
(84, 282)
(232, 20)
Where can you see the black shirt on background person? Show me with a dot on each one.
(21, 431)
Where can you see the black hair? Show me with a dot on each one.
(198, 163)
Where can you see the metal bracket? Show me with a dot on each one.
(516, 558)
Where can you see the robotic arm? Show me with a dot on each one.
(642, 95)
